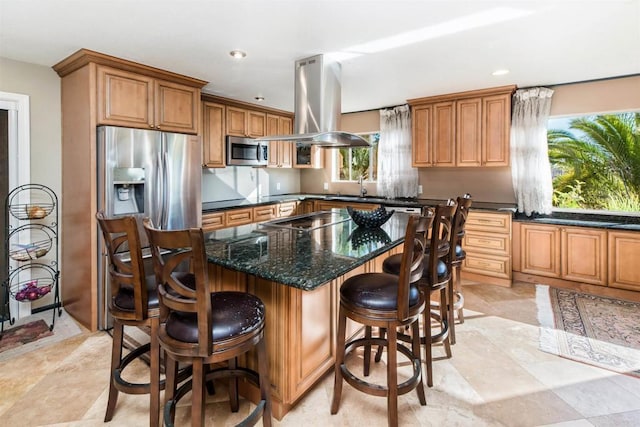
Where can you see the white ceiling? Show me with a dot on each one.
(541, 42)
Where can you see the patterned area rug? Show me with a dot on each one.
(599, 331)
(24, 334)
(65, 327)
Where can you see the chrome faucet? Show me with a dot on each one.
(363, 191)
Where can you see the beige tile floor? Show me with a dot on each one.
(497, 377)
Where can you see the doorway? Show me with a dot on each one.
(15, 170)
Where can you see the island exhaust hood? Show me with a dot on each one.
(317, 106)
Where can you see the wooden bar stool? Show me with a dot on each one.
(456, 258)
(203, 329)
(435, 279)
(385, 301)
(133, 302)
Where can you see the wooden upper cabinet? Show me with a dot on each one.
(307, 157)
(496, 118)
(176, 107)
(256, 126)
(125, 98)
(421, 127)
(433, 135)
(443, 138)
(134, 100)
(469, 132)
(286, 147)
(236, 121)
(245, 123)
(213, 135)
(280, 152)
(467, 129)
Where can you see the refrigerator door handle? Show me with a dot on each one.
(157, 200)
(165, 191)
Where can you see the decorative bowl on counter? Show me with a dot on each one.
(370, 219)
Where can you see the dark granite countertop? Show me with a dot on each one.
(240, 203)
(302, 259)
(591, 220)
(578, 219)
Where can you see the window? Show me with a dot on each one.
(349, 164)
(595, 161)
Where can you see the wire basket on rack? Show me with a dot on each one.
(30, 251)
(32, 289)
(34, 210)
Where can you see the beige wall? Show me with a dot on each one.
(603, 96)
(42, 85)
(488, 184)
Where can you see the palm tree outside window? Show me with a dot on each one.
(595, 161)
(353, 163)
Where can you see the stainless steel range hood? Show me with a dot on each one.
(317, 106)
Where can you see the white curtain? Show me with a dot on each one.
(396, 177)
(530, 167)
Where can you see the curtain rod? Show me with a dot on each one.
(376, 109)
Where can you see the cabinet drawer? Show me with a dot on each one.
(477, 242)
(489, 222)
(287, 209)
(238, 217)
(264, 213)
(212, 221)
(488, 265)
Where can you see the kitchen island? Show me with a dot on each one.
(296, 266)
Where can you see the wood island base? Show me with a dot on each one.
(300, 330)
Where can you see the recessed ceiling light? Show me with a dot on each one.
(259, 98)
(500, 72)
(238, 54)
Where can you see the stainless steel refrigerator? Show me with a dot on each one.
(146, 173)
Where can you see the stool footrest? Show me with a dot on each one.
(251, 375)
(126, 386)
(377, 389)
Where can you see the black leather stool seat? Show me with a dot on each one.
(125, 298)
(234, 313)
(377, 291)
(391, 265)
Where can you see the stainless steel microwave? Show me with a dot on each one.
(246, 152)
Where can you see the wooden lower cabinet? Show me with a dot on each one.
(584, 255)
(212, 221)
(265, 213)
(238, 217)
(540, 250)
(487, 243)
(624, 260)
(300, 331)
(287, 209)
(570, 253)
